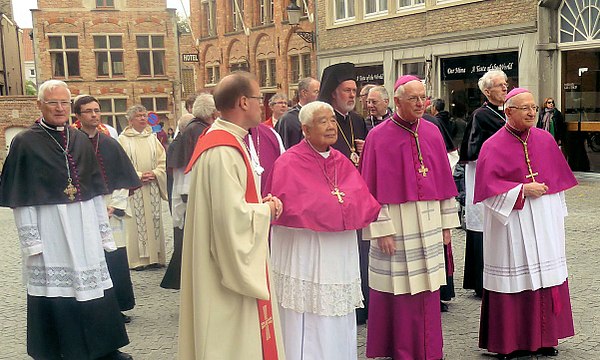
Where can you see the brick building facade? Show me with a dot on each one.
(124, 52)
(252, 35)
(449, 43)
(17, 113)
(551, 47)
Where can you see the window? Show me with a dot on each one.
(300, 67)
(267, 73)
(151, 54)
(64, 55)
(105, 3)
(109, 55)
(237, 10)
(241, 66)
(31, 72)
(409, 3)
(344, 10)
(157, 104)
(113, 112)
(375, 7)
(579, 21)
(209, 11)
(415, 68)
(266, 11)
(212, 74)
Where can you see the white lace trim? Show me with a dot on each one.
(29, 236)
(320, 299)
(106, 232)
(64, 277)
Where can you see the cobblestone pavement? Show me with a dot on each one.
(153, 330)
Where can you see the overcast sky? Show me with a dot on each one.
(23, 15)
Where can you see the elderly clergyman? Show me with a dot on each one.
(526, 306)
(486, 120)
(145, 233)
(406, 167)
(326, 202)
(378, 102)
(52, 181)
(289, 127)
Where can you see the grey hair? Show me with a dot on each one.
(204, 106)
(277, 97)
(382, 91)
(365, 89)
(50, 85)
(304, 83)
(510, 102)
(307, 112)
(184, 120)
(400, 90)
(485, 82)
(134, 110)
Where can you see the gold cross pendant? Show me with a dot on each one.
(423, 170)
(70, 190)
(531, 175)
(339, 194)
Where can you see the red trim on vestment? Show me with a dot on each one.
(265, 311)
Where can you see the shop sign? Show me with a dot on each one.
(369, 74)
(473, 67)
(570, 86)
(189, 57)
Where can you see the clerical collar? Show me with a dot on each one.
(522, 133)
(404, 122)
(51, 127)
(325, 154)
(342, 115)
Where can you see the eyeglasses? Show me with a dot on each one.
(89, 111)
(416, 99)
(280, 103)
(533, 108)
(259, 98)
(550, 102)
(502, 85)
(55, 103)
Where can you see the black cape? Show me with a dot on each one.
(358, 127)
(484, 122)
(289, 127)
(445, 134)
(117, 170)
(35, 171)
(181, 149)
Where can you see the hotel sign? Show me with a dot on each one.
(189, 57)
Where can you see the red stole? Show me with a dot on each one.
(213, 139)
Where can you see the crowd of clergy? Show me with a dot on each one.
(290, 231)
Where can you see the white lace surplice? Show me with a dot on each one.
(63, 249)
(316, 272)
(474, 212)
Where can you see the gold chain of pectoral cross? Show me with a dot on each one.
(531, 175)
(332, 184)
(70, 190)
(422, 169)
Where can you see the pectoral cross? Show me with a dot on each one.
(339, 194)
(531, 173)
(264, 325)
(423, 170)
(70, 190)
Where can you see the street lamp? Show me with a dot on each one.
(294, 12)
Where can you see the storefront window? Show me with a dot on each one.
(460, 75)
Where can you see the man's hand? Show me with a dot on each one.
(275, 204)
(360, 144)
(534, 189)
(447, 235)
(387, 245)
(148, 176)
(110, 211)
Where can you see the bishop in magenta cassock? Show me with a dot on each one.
(314, 243)
(406, 168)
(526, 305)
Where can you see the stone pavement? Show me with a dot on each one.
(153, 331)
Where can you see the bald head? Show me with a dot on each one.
(231, 88)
